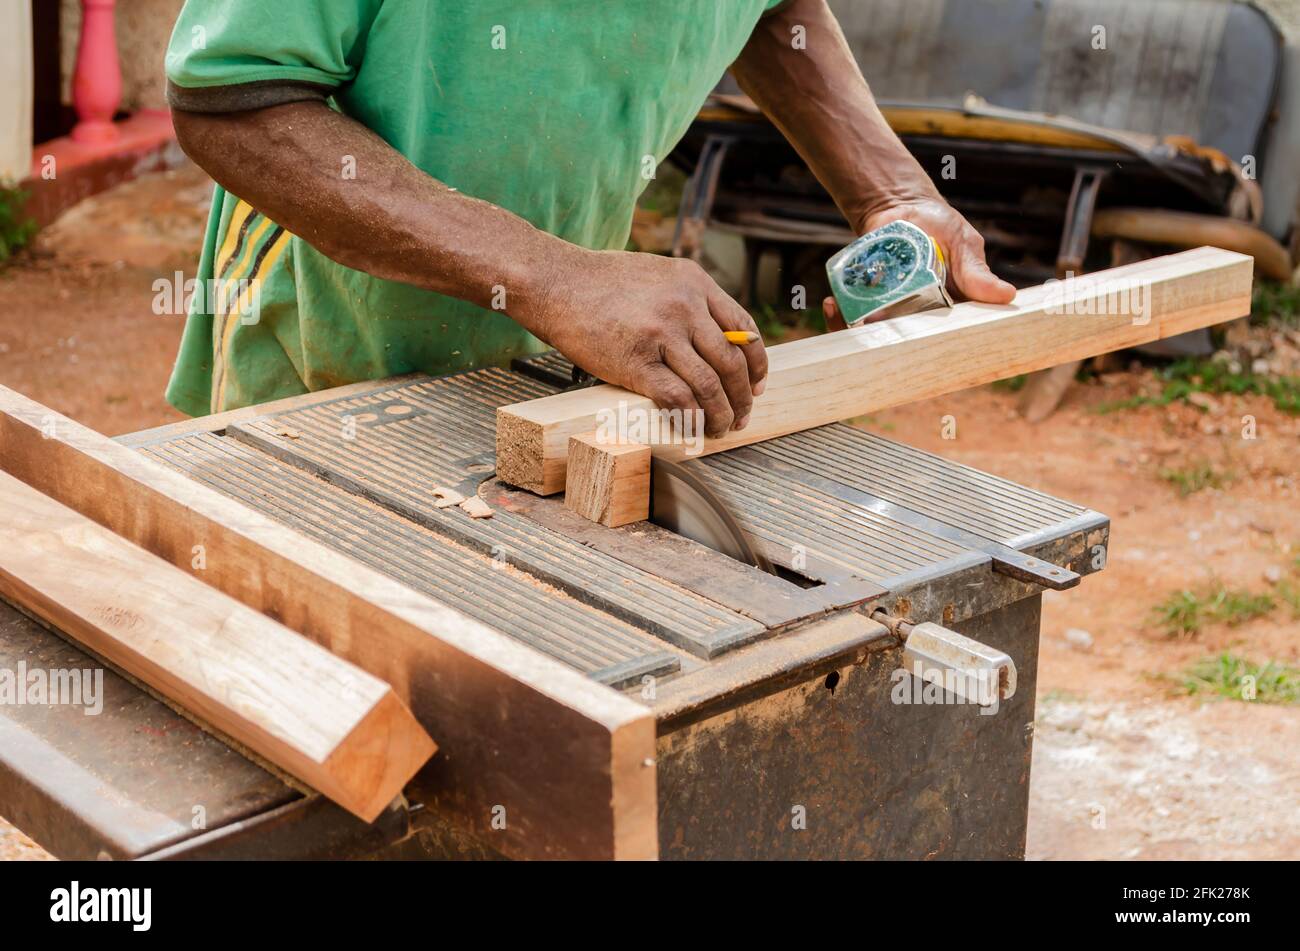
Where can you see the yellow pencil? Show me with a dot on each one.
(740, 337)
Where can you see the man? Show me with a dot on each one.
(439, 184)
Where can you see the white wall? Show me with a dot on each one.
(15, 89)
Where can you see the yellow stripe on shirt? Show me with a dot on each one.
(263, 266)
(220, 331)
(242, 210)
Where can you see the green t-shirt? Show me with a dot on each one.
(548, 108)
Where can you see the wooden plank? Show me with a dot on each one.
(317, 717)
(608, 483)
(835, 376)
(534, 758)
(88, 786)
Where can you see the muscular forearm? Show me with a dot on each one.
(652, 324)
(819, 100)
(342, 189)
(816, 96)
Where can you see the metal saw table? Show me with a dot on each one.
(779, 734)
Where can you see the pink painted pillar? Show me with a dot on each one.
(97, 81)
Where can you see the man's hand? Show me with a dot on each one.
(651, 324)
(962, 246)
(654, 325)
(815, 94)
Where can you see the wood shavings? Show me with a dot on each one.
(445, 497)
(476, 507)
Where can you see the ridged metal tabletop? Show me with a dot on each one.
(836, 507)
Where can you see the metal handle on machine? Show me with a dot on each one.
(971, 670)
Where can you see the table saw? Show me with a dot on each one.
(781, 731)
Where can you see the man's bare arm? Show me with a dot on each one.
(651, 324)
(819, 100)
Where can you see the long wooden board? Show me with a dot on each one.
(319, 718)
(535, 759)
(820, 380)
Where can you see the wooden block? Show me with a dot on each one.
(571, 762)
(819, 380)
(608, 482)
(333, 726)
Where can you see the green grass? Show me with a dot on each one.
(1192, 375)
(1238, 607)
(1060, 695)
(1196, 477)
(664, 192)
(1289, 593)
(775, 324)
(1012, 384)
(771, 326)
(1275, 302)
(1132, 402)
(16, 229)
(1180, 614)
(1230, 676)
(1184, 613)
(872, 422)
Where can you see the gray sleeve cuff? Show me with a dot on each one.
(245, 96)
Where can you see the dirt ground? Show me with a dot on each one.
(1124, 766)
(77, 324)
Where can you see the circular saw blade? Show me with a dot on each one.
(682, 502)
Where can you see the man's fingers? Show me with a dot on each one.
(731, 316)
(666, 388)
(974, 279)
(705, 384)
(963, 249)
(728, 362)
(831, 311)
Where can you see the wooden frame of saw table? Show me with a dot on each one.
(336, 728)
(535, 759)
